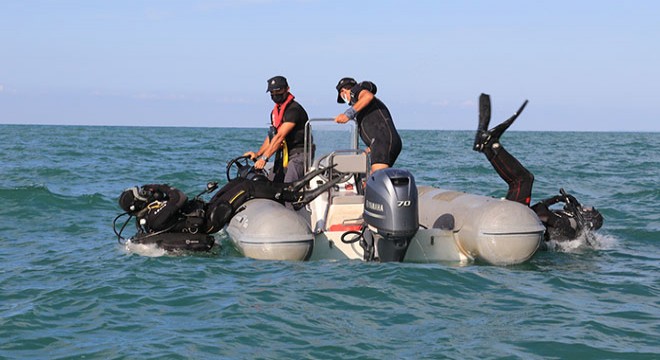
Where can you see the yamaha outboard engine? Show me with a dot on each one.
(391, 212)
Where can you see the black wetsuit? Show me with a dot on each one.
(377, 129)
(519, 179)
(558, 225)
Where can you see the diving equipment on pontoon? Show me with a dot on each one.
(166, 218)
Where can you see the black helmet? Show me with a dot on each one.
(346, 82)
(592, 217)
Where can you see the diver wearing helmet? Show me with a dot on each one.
(565, 224)
(374, 121)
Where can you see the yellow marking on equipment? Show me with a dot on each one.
(236, 196)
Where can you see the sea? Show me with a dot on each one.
(70, 290)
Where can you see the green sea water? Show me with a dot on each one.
(68, 290)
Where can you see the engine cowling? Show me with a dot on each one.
(391, 212)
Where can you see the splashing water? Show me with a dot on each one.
(589, 240)
(149, 250)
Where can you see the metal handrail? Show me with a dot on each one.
(309, 143)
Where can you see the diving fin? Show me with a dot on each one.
(487, 137)
(498, 130)
(484, 111)
(484, 120)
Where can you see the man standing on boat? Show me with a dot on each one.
(373, 119)
(286, 136)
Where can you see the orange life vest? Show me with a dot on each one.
(277, 116)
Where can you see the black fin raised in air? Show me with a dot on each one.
(484, 121)
(498, 130)
(485, 137)
(484, 112)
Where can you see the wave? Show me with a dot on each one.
(38, 198)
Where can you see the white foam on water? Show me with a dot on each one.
(150, 250)
(604, 242)
(588, 240)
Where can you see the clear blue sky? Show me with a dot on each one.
(584, 65)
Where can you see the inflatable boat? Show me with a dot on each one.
(384, 216)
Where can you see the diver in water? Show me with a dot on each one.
(561, 225)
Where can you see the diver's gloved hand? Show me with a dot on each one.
(563, 198)
(553, 200)
(569, 199)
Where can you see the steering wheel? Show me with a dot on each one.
(240, 167)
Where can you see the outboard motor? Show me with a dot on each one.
(391, 212)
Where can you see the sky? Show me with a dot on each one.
(583, 65)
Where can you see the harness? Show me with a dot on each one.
(277, 118)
